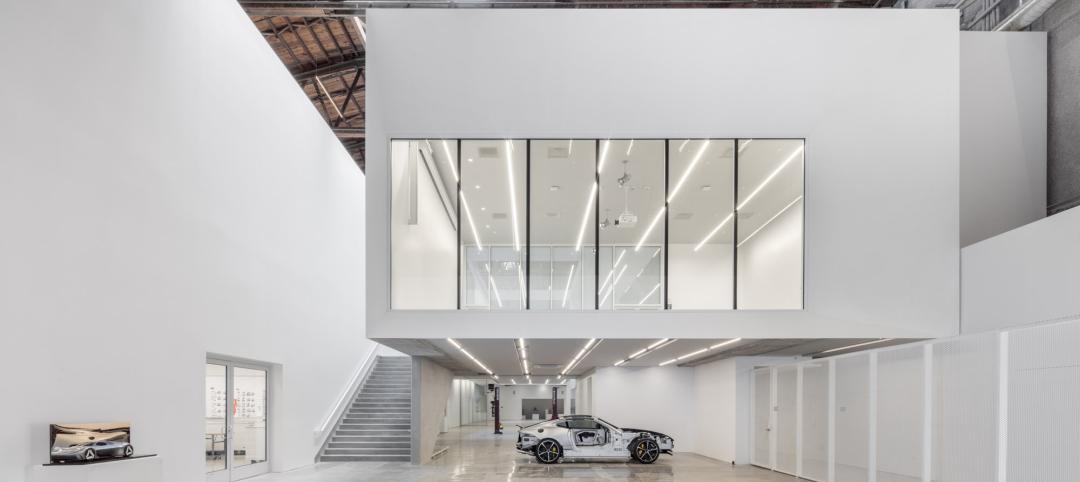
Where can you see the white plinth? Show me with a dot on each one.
(144, 469)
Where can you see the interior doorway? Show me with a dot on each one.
(237, 432)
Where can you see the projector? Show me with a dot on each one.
(626, 220)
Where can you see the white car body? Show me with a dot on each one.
(586, 437)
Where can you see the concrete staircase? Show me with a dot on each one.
(376, 427)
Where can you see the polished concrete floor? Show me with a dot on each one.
(475, 454)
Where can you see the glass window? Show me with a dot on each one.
(632, 208)
(423, 224)
(562, 228)
(701, 228)
(770, 224)
(584, 224)
(249, 416)
(493, 202)
(216, 401)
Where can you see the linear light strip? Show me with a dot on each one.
(683, 145)
(585, 219)
(612, 271)
(714, 231)
(602, 300)
(770, 177)
(513, 195)
(654, 346)
(569, 278)
(630, 148)
(524, 356)
(466, 352)
(689, 169)
(782, 211)
(857, 345)
(494, 287)
(653, 290)
(581, 354)
(450, 160)
(521, 284)
(703, 350)
(472, 225)
(693, 353)
(649, 230)
(613, 283)
(657, 343)
(603, 156)
(744, 144)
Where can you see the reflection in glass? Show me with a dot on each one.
(423, 224)
(701, 200)
(493, 212)
(770, 234)
(730, 243)
(632, 177)
(562, 224)
(249, 416)
(216, 401)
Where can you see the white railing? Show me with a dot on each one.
(992, 407)
(348, 393)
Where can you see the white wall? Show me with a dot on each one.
(511, 397)
(706, 408)
(453, 406)
(1002, 132)
(701, 281)
(654, 398)
(1024, 276)
(180, 197)
(425, 253)
(882, 219)
(715, 401)
(768, 261)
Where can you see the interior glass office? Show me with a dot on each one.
(596, 224)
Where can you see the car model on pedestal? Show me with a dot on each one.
(89, 451)
(588, 437)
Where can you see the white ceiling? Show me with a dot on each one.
(548, 357)
(562, 179)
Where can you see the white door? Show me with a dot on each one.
(236, 420)
(761, 408)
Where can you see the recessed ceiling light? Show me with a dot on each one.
(706, 188)
(470, 159)
(554, 188)
(551, 215)
(477, 186)
(482, 208)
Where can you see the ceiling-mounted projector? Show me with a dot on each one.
(626, 220)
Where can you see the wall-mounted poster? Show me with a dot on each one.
(88, 442)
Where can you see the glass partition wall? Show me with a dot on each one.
(596, 224)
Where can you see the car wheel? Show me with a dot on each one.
(89, 454)
(548, 451)
(129, 451)
(646, 451)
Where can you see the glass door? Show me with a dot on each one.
(236, 421)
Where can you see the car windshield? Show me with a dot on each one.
(607, 422)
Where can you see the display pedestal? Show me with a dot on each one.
(141, 469)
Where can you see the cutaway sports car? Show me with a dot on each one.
(587, 437)
(93, 450)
